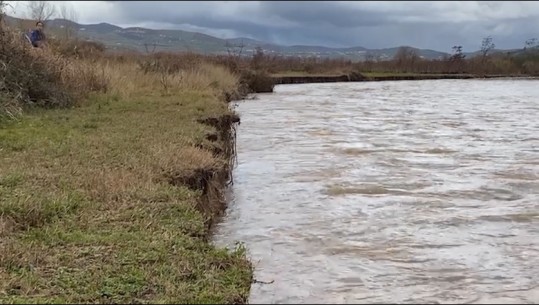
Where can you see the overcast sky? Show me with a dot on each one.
(434, 25)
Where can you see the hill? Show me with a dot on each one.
(147, 40)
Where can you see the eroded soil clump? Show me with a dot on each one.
(212, 182)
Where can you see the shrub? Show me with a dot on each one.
(257, 81)
(43, 77)
(28, 75)
(79, 48)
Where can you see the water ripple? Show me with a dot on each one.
(399, 192)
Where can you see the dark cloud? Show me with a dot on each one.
(318, 14)
(377, 24)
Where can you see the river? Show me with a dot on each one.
(397, 191)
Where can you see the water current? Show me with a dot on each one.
(397, 191)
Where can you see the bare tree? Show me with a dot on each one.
(234, 50)
(257, 60)
(457, 54)
(456, 60)
(41, 10)
(147, 47)
(406, 57)
(405, 54)
(486, 46)
(69, 15)
(2, 5)
(531, 43)
(369, 57)
(234, 55)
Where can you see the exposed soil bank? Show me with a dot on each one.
(358, 77)
(439, 76)
(352, 77)
(213, 182)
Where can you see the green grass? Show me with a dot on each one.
(86, 214)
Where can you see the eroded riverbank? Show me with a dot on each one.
(359, 77)
(423, 191)
(112, 201)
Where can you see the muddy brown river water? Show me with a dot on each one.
(402, 192)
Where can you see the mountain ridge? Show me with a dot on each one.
(144, 39)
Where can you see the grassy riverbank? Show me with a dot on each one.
(110, 199)
(406, 65)
(345, 72)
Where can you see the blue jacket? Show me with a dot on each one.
(36, 35)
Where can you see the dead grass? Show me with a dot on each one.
(519, 63)
(42, 77)
(87, 213)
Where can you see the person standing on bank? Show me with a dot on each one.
(37, 36)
